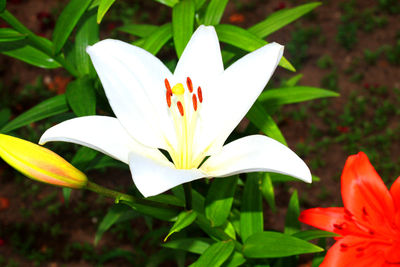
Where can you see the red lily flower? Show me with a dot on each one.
(369, 222)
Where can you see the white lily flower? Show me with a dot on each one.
(189, 114)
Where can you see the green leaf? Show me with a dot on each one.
(281, 96)
(140, 30)
(167, 199)
(313, 234)
(275, 245)
(66, 194)
(263, 121)
(67, 21)
(292, 223)
(193, 245)
(251, 214)
(170, 3)
(219, 199)
(5, 115)
(245, 40)
(158, 38)
(116, 213)
(182, 24)
(277, 177)
(2, 5)
(214, 12)
(267, 190)
(161, 212)
(81, 97)
(50, 107)
(87, 33)
(199, 3)
(103, 8)
(216, 254)
(292, 81)
(23, 51)
(280, 19)
(84, 157)
(185, 218)
(8, 35)
(236, 259)
(214, 232)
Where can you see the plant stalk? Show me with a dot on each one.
(188, 195)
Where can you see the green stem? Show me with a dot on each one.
(188, 195)
(108, 192)
(40, 43)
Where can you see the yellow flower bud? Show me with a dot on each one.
(39, 163)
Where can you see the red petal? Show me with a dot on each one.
(365, 195)
(329, 219)
(395, 192)
(354, 251)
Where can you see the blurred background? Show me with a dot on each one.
(351, 47)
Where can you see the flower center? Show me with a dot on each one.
(183, 106)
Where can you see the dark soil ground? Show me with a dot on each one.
(37, 227)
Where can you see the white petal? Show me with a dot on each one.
(153, 177)
(201, 60)
(256, 153)
(101, 133)
(232, 96)
(133, 80)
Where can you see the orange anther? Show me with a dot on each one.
(200, 94)
(168, 96)
(180, 107)
(194, 99)
(167, 85)
(189, 84)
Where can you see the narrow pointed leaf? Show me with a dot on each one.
(313, 234)
(236, 259)
(293, 81)
(158, 39)
(50, 107)
(215, 255)
(185, 218)
(193, 245)
(279, 19)
(263, 121)
(24, 51)
(275, 245)
(81, 97)
(7, 35)
(182, 24)
(219, 199)
(87, 33)
(199, 3)
(170, 3)
(214, 12)
(161, 212)
(296, 94)
(277, 177)
(116, 213)
(214, 232)
(267, 190)
(292, 224)
(251, 214)
(140, 30)
(66, 194)
(103, 8)
(67, 21)
(245, 40)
